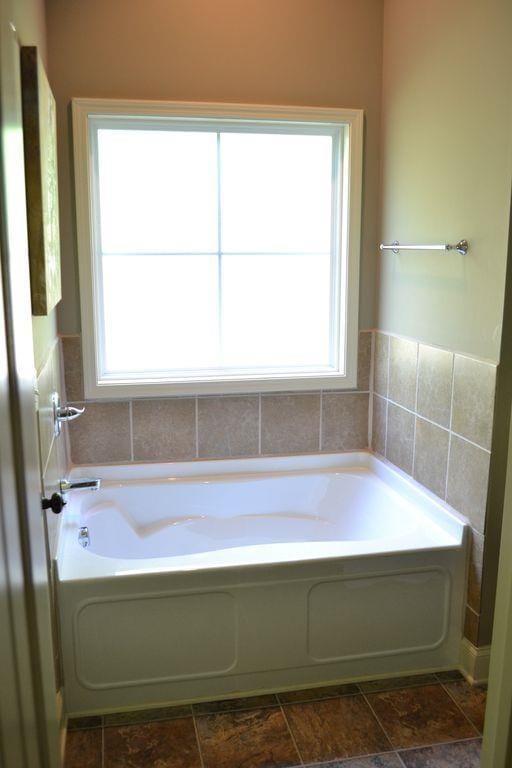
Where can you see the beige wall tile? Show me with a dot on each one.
(46, 382)
(101, 434)
(468, 476)
(475, 569)
(431, 456)
(73, 375)
(379, 419)
(228, 426)
(164, 430)
(471, 623)
(400, 437)
(474, 383)
(403, 363)
(364, 360)
(381, 361)
(435, 369)
(290, 423)
(344, 421)
(49, 381)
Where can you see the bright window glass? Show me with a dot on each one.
(217, 249)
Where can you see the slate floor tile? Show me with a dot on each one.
(257, 738)
(471, 699)
(83, 749)
(419, 716)
(335, 728)
(166, 744)
(463, 754)
(388, 760)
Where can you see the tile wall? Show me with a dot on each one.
(430, 413)
(433, 417)
(186, 428)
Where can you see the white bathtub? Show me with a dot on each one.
(208, 579)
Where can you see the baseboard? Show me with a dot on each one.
(474, 662)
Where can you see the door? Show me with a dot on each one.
(497, 746)
(29, 733)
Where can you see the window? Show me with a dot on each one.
(218, 246)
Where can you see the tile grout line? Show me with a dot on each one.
(400, 750)
(311, 700)
(320, 436)
(290, 732)
(198, 740)
(47, 462)
(486, 360)
(196, 416)
(130, 415)
(450, 430)
(371, 389)
(259, 423)
(434, 423)
(227, 395)
(386, 409)
(415, 409)
(339, 762)
(235, 710)
(460, 708)
(377, 718)
(387, 396)
(388, 366)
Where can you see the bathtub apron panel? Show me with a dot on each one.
(137, 633)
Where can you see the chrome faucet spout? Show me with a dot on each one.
(81, 483)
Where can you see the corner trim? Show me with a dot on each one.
(474, 662)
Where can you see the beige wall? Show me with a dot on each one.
(446, 155)
(307, 52)
(29, 18)
(446, 169)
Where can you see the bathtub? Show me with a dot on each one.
(220, 578)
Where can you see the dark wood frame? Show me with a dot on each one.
(40, 145)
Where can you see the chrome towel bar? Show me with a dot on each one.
(461, 247)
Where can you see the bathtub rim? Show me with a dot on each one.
(268, 466)
(90, 566)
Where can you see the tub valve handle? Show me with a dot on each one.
(56, 503)
(63, 413)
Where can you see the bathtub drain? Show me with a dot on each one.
(83, 536)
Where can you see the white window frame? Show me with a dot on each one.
(96, 386)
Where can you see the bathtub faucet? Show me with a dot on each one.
(84, 483)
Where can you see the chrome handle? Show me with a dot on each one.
(69, 412)
(63, 413)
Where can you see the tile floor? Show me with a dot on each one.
(425, 721)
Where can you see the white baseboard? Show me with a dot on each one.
(474, 662)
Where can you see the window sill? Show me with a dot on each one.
(109, 390)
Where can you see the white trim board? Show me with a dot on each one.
(474, 662)
(97, 385)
